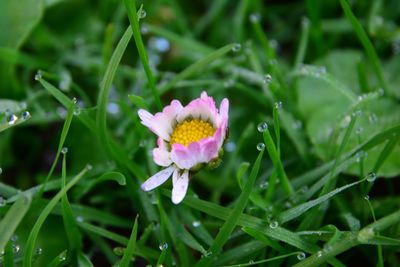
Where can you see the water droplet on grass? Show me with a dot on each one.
(38, 75)
(305, 22)
(64, 150)
(16, 249)
(62, 257)
(26, 115)
(1, 170)
(301, 256)
(373, 118)
(267, 78)
(262, 127)
(264, 185)
(260, 146)
(12, 119)
(371, 177)
(273, 224)
(142, 13)
(14, 238)
(278, 105)
(163, 246)
(196, 223)
(39, 251)
(208, 254)
(357, 113)
(254, 18)
(2, 202)
(79, 219)
(319, 254)
(236, 47)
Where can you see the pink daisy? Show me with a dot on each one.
(188, 138)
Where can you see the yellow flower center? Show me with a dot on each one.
(191, 131)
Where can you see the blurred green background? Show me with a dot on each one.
(304, 58)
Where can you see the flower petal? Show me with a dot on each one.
(180, 186)
(200, 108)
(162, 122)
(161, 157)
(157, 179)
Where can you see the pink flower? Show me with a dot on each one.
(188, 137)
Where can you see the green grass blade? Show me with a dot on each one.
(134, 21)
(276, 160)
(84, 261)
(8, 255)
(71, 229)
(30, 243)
(368, 47)
(266, 260)
(12, 219)
(196, 67)
(64, 133)
(101, 118)
(231, 221)
(126, 258)
(302, 208)
(302, 48)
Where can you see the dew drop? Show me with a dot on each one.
(79, 219)
(39, 251)
(371, 177)
(2, 201)
(319, 254)
(297, 125)
(373, 118)
(77, 111)
(1, 170)
(12, 119)
(113, 108)
(254, 18)
(273, 224)
(321, 70)
(196, 223)
(26, 115)
(229, 83)
(278, 105)
(16, 249)
(208, 254)
(301, 256)
(359, 130)
(64, 150)
(267, 78)
(305, 22)
(38, 75)
(251, 261)
(14, 238)
(262, 127)
(357, 113)
(142, 13)
(89, 167)
(236, 47)
(74, 100)
(62, 257)
(264, 185)
(230, 146)
(163, 246)
(260, 146)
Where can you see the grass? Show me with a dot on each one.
(310, 169)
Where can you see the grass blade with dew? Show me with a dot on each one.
(64, 133)
(231, 222)
(30, 243)
(276, 160)
(13, 218)
(295, 212)
(71, 229)
(264, 261)
(197, 66)
(366, 43)
(134, 21)
(126, 258)
(278, 233)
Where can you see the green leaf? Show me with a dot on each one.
(30, 243)
(138, 101)
(126, 258)
(12, 219)
(17, 19)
